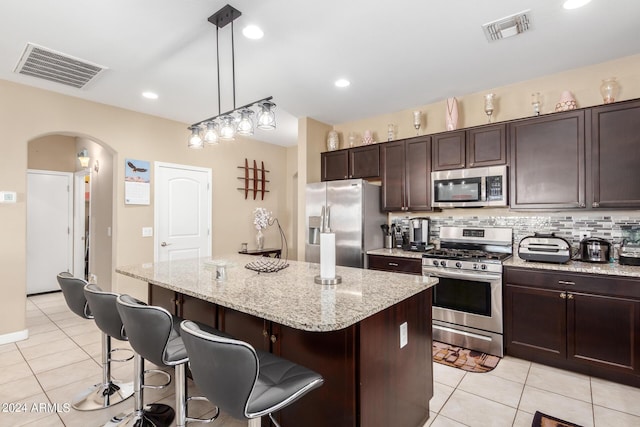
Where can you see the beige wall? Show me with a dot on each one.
(27, 113)
(53, 153)
(514, 101)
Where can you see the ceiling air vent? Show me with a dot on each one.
(43, 63)
(507, 27)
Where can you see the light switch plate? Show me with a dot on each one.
(147, 231)
(404, 335)
(8, 197)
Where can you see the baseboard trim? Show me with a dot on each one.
(14, 336)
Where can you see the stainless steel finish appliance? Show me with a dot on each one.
(545, 248)
(355, 218)
(595, 249)
(418, 234)
(475, 187)
(467, 301)
(629, 253)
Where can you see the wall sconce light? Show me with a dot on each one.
(83, 157)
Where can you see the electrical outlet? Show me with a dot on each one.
(585, 233)
(404, 336)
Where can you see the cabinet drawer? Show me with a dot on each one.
(396, 264)
(615, 286)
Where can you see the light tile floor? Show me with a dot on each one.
(62, 356)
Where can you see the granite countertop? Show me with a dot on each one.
(395, 252)
(290, 296)
(609, 269)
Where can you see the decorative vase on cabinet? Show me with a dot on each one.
(452, 114)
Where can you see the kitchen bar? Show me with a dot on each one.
(370, 336)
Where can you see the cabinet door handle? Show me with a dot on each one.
(274, 339)
(570, 296)
(582, 205)
(566, 282)
(595, 204)
(563, 295)
(393, 264)
(265, 333)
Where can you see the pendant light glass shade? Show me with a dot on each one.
(266, 116)
(195, 140)
(245, 125)
(211, 134)
(227, 128)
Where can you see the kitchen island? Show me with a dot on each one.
(370, 336)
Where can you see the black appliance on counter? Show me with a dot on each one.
(629, 253)
(595, 249)
(545, 248)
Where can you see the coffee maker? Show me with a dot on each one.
(400, 233)
(418, 234)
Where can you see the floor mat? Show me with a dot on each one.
(544, 420)
(463, 358)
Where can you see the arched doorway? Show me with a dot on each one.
(92, 222)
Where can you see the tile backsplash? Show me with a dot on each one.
(569, 225)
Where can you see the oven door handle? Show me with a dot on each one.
(457, 274)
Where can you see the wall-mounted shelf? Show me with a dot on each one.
(254, 179)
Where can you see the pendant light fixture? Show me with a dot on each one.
(224, 126)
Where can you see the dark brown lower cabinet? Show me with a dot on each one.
(582, 322)
(395, 264)
(184, 306)
(369, 380)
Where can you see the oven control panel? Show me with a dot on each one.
(453, 264)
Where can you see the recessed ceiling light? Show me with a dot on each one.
(574, 4)
(342, 83)
(252, 32)
(150, 95)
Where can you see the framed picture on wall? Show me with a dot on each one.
(137, 182)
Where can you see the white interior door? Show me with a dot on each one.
(182, 212)
(49, 228)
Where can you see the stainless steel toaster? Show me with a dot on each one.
(545, 248)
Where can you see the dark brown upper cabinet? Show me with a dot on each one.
(406, 175)
(359, 162)
(475, 147)
(615, 155)
(548, 161)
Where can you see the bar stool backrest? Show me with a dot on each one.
(105, 311)
(148, 328)
(225, 370)
(73, 291)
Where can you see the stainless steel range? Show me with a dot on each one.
(467, 302)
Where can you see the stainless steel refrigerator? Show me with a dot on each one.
(355, 218)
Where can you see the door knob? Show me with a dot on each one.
(164, 244)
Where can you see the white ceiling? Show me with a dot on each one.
(398, 54)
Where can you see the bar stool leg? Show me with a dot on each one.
(181, 395)
(254, 422)
(107, 393)
(153, 415)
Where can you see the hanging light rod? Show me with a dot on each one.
(239, 120)
(252, 104)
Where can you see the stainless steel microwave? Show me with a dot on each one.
(476, 187)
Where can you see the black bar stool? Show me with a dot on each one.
(154, 335)
(244, 382)
(108, 392)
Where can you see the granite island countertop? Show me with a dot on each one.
(290, 296)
